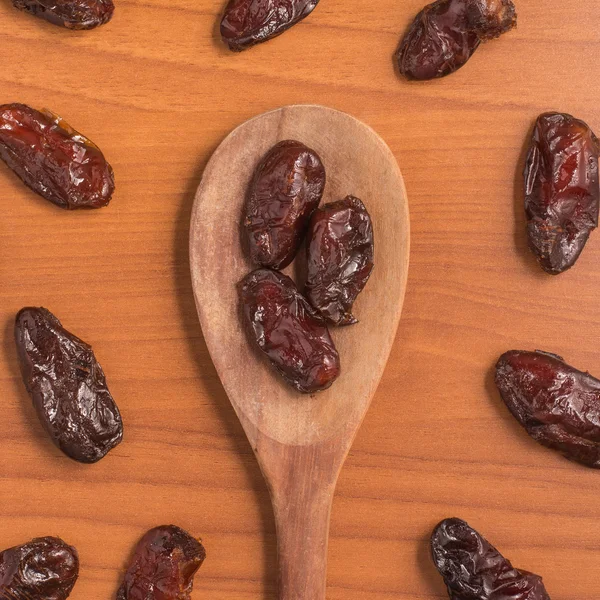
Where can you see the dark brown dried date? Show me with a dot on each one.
(562, 194)
(163, 566)
(72, 14)
(339, 252)
(289, 331)
(43, 569)
(558, 405)
(286, 189)
(249, 22)
(446, 33)
(54, 160)
(474, 570)
(67, 386)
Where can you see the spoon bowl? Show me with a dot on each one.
(300, 440)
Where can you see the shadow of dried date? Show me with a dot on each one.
(67, 386)
(53, 159)
(289, 331)
(562, 192)
(72, 14)
(164, 563)
(557, 405)
(446, 33)
(339, 253)
(44, 569)
(249, 22)
(284, 192)
(474, 570)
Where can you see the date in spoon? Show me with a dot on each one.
(300, 441)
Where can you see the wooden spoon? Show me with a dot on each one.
(300, 441)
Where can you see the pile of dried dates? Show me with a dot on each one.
(281, 212)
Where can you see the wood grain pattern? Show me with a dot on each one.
(156, 91)
(300, 440)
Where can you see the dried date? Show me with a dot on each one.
(557, 405)
(474, 570)
(446, 33)
(289, 331)
(67, 386)
(339, 253)
(562, 193)
(249, 22)
(72, 14)
(43, 569)
(54, 160)
(163, 566)
(286, 189)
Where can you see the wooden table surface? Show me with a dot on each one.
(157, 92)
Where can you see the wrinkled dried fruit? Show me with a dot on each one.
(558, 405)
(54, 160)
(249, 22)
(339, 252)
(289, 331)
(44, 569)
(561, 190)
(72, 14)
(67, 386)
(446, 33)
(286, 189)
(163, 566)
(474, 570)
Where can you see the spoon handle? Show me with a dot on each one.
(302, 491)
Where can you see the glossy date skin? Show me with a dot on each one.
(474, 570)
(249, 22)
(43, 569)
(289, 331)
(54, 160)
(446, 33)
(67, 386)
(163, 566)
(339, 252)
(285, 191)
(562, 193)
(72, 14)
(557, 405)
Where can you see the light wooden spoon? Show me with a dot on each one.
(300, 441)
